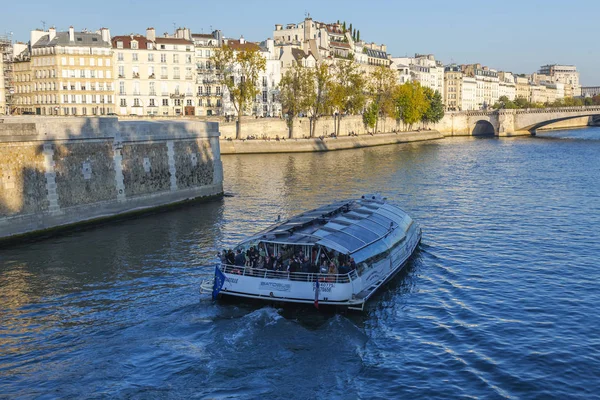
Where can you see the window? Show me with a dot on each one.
(134, 44)
(177, 102)
(121, 87)
(123, 103)
(189, 102)
(165, 102)
(163, 58)
(119, 56)
(199, 90)
(119, 45)
(264, 81)
(121, 71)
(218, 90)
(136, 102)
(134, 57)
(200, 102)
(150, 57)
(152, 103)
(188, 58)
(176, 73)
(208, 89)
(264, 96)
(151, 89)
(163, 73)
(175, 58)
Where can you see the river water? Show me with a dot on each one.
(500, 301)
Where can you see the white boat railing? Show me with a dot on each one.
(292, 276)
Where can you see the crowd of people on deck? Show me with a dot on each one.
(256, 258)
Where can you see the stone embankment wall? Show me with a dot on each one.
(453, 124)
(56, 172)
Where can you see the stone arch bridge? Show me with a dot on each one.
(510, 122)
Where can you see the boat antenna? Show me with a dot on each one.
(279, 217)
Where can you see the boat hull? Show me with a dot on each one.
(352, 292)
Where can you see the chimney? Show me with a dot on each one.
(242, 40)
(278, 27)
(105, 35)
(71, 34)
(151, 34)
(384, 48)
(35, 36)
(51, 33)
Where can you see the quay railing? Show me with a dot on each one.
(292, 276)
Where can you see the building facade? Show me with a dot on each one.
(209, 92)
(565, 74)
(66, 73)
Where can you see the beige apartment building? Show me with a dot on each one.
(155, 75)
(65, 73)
(565, 74)
(453, 77)
(522, 88)
(23, 82)
(209, 92)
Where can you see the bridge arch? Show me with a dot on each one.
(483, 127)
(532, 120)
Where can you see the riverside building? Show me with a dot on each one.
(71, 73)
(209, 92)
(154, 75)
(565, 74)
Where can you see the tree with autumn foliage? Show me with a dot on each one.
(348, 89)
(295, 93)
(238, 70)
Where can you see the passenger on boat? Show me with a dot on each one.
(260, 264)
(240, 259)
(305, 266)
(323, 269)
(352, 265)
(269, 262)
(230, 257)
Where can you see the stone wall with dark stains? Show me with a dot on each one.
(145, 168)
(22, 179)
(57, 172)
(84, 173)
(194, 163)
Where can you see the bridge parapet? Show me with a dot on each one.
(558, 110)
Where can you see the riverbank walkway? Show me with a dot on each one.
(261, 146)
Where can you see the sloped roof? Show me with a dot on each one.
(340, 45)
(246, 46)
(82, 39)
(377, 54)
(346, 226)
(127, 39)
(164, 40)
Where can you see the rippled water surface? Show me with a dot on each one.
(501, 301)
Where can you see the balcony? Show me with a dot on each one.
(164, 77)
(151, 76)
(136, 75)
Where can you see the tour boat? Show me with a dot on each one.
(365, 242)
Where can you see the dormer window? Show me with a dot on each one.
(134, 44)
(149, 46)
(119, 45)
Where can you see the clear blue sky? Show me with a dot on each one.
(511, 35)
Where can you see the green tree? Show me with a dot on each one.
(521, 102)
(370, 116)
(344, 27)
(435, 106)
(382, 86)
(411, 103)
(295, 90)
(238, 70)
(358, 36)
(320, 94)
(347, 92)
